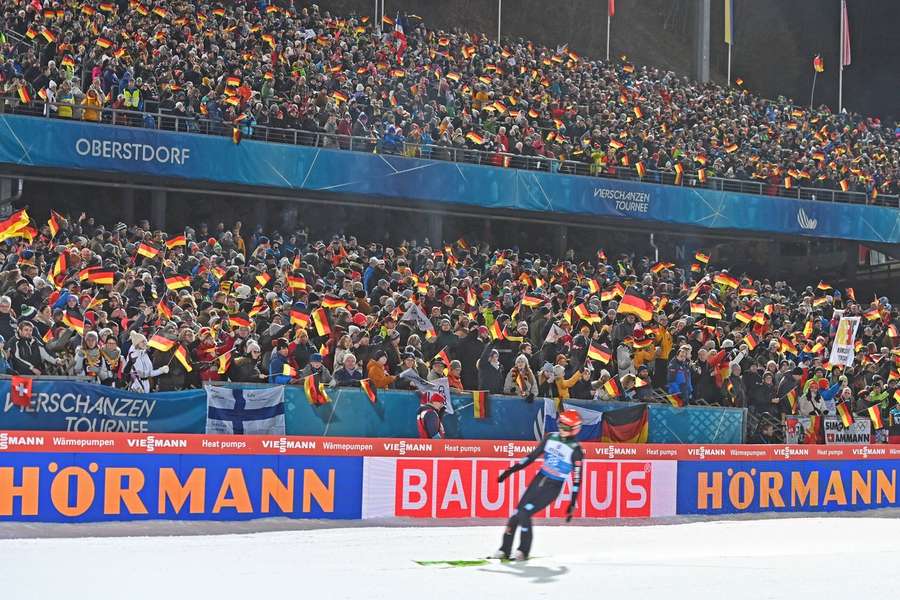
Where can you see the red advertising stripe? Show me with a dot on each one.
(164, 443)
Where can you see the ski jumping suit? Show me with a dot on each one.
(561, 457)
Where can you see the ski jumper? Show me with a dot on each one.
(562, 456)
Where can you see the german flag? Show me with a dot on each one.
(661, 266)
(698, 308)
(73, 321)
(892, 331)
(174, 242)
(68, 61)
(320, 319)
(626, 425)
(679, 173)
(104, 42)
(13, 225)
(48, 35)
(751, 341)
(233, 81)
(845, 185)
(873, 314)
(742, 292)
(743, 316)
(147, 250)
(48, 336)
(102, 277)
(181, 354)
(696, 267)
(239, 320)
(59, 267)
(141, 9)
(176, 282)
(369, 389)
(495, 331)
(792, 400)
(299, 318)
(163, 309)
(675, 400)
(340, 96)
(31, 33)
(701, 257)
(819, 301)
(259, 304)
(161, 343)
(443, 356)
(593, 286)
(479, 404)
(262, 280)
(53, 223)
(24, 95)
(288, 370)
(613, 388)
(731, 148)
(636, 305)
(875, 416)
(851, 293)
(808, 328)
(582, 311)
(224, 362)
(474, 138)
(269, 39)
(824, 286)
(787, 346)
(726, 280)
(846, 414)
(315, 392)
(532, 301)
(332, 302)
(162, 13)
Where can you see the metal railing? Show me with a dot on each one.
(374, 143)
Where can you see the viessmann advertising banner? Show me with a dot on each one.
(85, 477)
(35, 142)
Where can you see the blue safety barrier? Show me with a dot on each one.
(70, 406)
(30, 142)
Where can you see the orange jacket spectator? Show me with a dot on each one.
(378, 374)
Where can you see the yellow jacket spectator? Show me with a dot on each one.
(93, 105)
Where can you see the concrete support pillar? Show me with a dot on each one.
(158, 202)
(6, 189)
(701, 41)
(127, 203)
(560, 240)
(436, 229)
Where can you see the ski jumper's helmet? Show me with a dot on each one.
(569, 422)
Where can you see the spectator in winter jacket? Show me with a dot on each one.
(349, 374)
(316, 367)
(490, 372)
(678, 378)
(520, 381)
(377, 371)
(279, 360)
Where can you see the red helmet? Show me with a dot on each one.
(569, 422)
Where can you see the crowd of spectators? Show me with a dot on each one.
(425, 92)
(127, 306)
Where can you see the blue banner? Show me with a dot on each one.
(36, 142)
(715, 488)
(68, 406)
(53, 487)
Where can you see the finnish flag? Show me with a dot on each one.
(253, 411)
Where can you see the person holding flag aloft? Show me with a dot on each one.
(562, 457)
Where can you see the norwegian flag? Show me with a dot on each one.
(399, 36)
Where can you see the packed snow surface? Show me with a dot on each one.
(791, 558)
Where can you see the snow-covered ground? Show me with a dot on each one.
(832, 558)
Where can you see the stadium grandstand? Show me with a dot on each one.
(117, 303)
(361, 286)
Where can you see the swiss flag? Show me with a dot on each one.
(21, 391)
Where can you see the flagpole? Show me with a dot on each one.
(729, 65)
(608, 22)
(499, 14)
(813, 92)
(841, 60)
